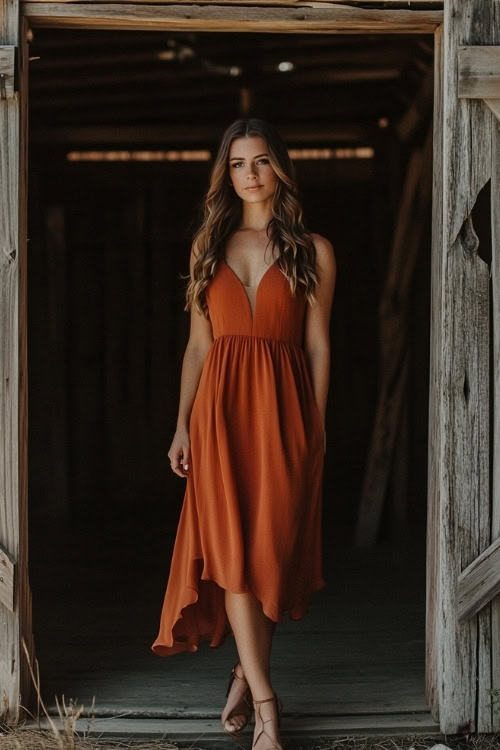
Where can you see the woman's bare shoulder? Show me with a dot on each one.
(324, 249)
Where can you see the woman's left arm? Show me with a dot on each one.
(317, 323)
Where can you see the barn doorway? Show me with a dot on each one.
(122, 128)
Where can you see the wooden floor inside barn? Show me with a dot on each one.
(356, 659)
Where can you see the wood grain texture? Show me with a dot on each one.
(7, 53)
(458, 669)
(16, 625)
(479, 71)
(479, 582)
(494, 105)
(420, 5)
(341, 18)
(7, 568)
(300, 733)
(433, 595)
(495, 285)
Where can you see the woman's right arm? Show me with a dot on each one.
(200, 339)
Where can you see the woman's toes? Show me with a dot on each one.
(236, 722)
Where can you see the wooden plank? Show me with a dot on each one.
(433, 582)
(458, 513)
(191, 134)
(479, 72)
(136, 79)
(7, 567)
(420, 5)
(298, 729)
(304, 20)
(16, 624)
(495, 286)
(300, 733)
(7, 57)
(479, 582)
(494, 105)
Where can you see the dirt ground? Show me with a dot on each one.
(32, 739)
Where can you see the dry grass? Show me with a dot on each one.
(410, 742)
(15, 737)
(39, 739)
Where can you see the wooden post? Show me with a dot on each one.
(458, 664)
(495, 510)
(15, 612)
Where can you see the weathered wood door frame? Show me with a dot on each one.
(15, 592)
(456, 602)
(463, 550)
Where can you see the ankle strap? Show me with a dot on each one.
(265, 700)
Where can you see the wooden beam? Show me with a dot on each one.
(304, 20)
(420, 5)
(495, 293)
(326, 107)
(479, 72)
(15, 681)
(394, 52)
(140, 78)
(152, 134)
(479, 582)
(433, 539)
(7, 567)
(494, 105)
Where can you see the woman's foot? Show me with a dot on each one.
(238, 709)
(266, 734)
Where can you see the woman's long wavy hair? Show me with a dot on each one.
(222, 212)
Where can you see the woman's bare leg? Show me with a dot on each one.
(253, 632)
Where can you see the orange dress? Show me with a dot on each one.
(251, 515)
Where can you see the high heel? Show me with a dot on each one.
(237, 705)
(279, 708)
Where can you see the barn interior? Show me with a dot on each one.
(123, 126)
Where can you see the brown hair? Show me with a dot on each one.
(222, 210)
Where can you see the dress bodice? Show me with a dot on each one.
(277, 314)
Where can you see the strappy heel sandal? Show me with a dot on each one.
(279, 705)
(237, 704)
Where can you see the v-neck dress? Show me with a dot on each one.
(251, 515)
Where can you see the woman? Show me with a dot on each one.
(250, 436)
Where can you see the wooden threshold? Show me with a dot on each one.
(208, 731)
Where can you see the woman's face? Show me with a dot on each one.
(249, 166)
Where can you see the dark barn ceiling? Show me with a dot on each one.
(124, 87)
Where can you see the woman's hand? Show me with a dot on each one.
(179, 453)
